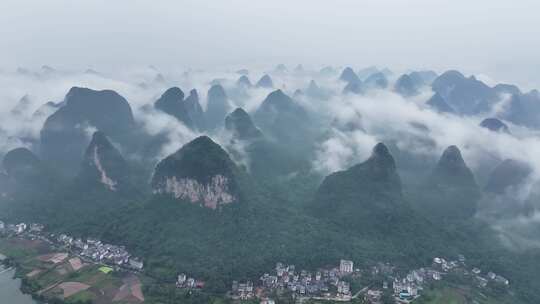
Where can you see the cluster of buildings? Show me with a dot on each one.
(16, 229)
(322, 284)
(325, 283)
(97, 251)
(478, 276)
(409, 286)
(90, 249)
(183, 281)
(482, 280)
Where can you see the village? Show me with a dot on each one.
(90, 250)
(334, 284)
(326, 284)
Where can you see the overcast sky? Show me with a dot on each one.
(497, 37)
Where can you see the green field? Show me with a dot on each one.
(105, 269)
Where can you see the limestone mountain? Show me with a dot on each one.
(171, 102)
(468, 96)
(438, 103)
(377, 80)
(195, 111)
(315, 91)
(22, 164)
(423, 77)
(239, 123)
(217, 107)
(281, 68)
(509, 173)
(354, 88)
(524, 109)
(365, 72)
(243, 72)
(366, 194)
(451, 191)
(200, 172)
(327, 71)
(159, 79)
(23, 107)
(103, 164)
(495, 125)
(265, 82)
(244, 82)
(281, 117)
(298, 93)
(451, 169)
(503, 88)
(5, 185)
(367, 199)
(64, 135)
(188, 111)
(46, 110)
(406, 86)
(25, 174)
(348, 75)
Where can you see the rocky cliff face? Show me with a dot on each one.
(200, 172)
(103, 164)
(210, 195)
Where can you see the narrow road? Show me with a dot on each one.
(359, 292)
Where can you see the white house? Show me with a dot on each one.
(346, 266)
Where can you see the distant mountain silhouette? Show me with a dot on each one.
(495, 125)
(509, 173)
(217, 106)
(265, 82)
(240, 124)
(467, 96)
(406, 86)
(348, 75)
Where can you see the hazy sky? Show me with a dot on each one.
(496, 37)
